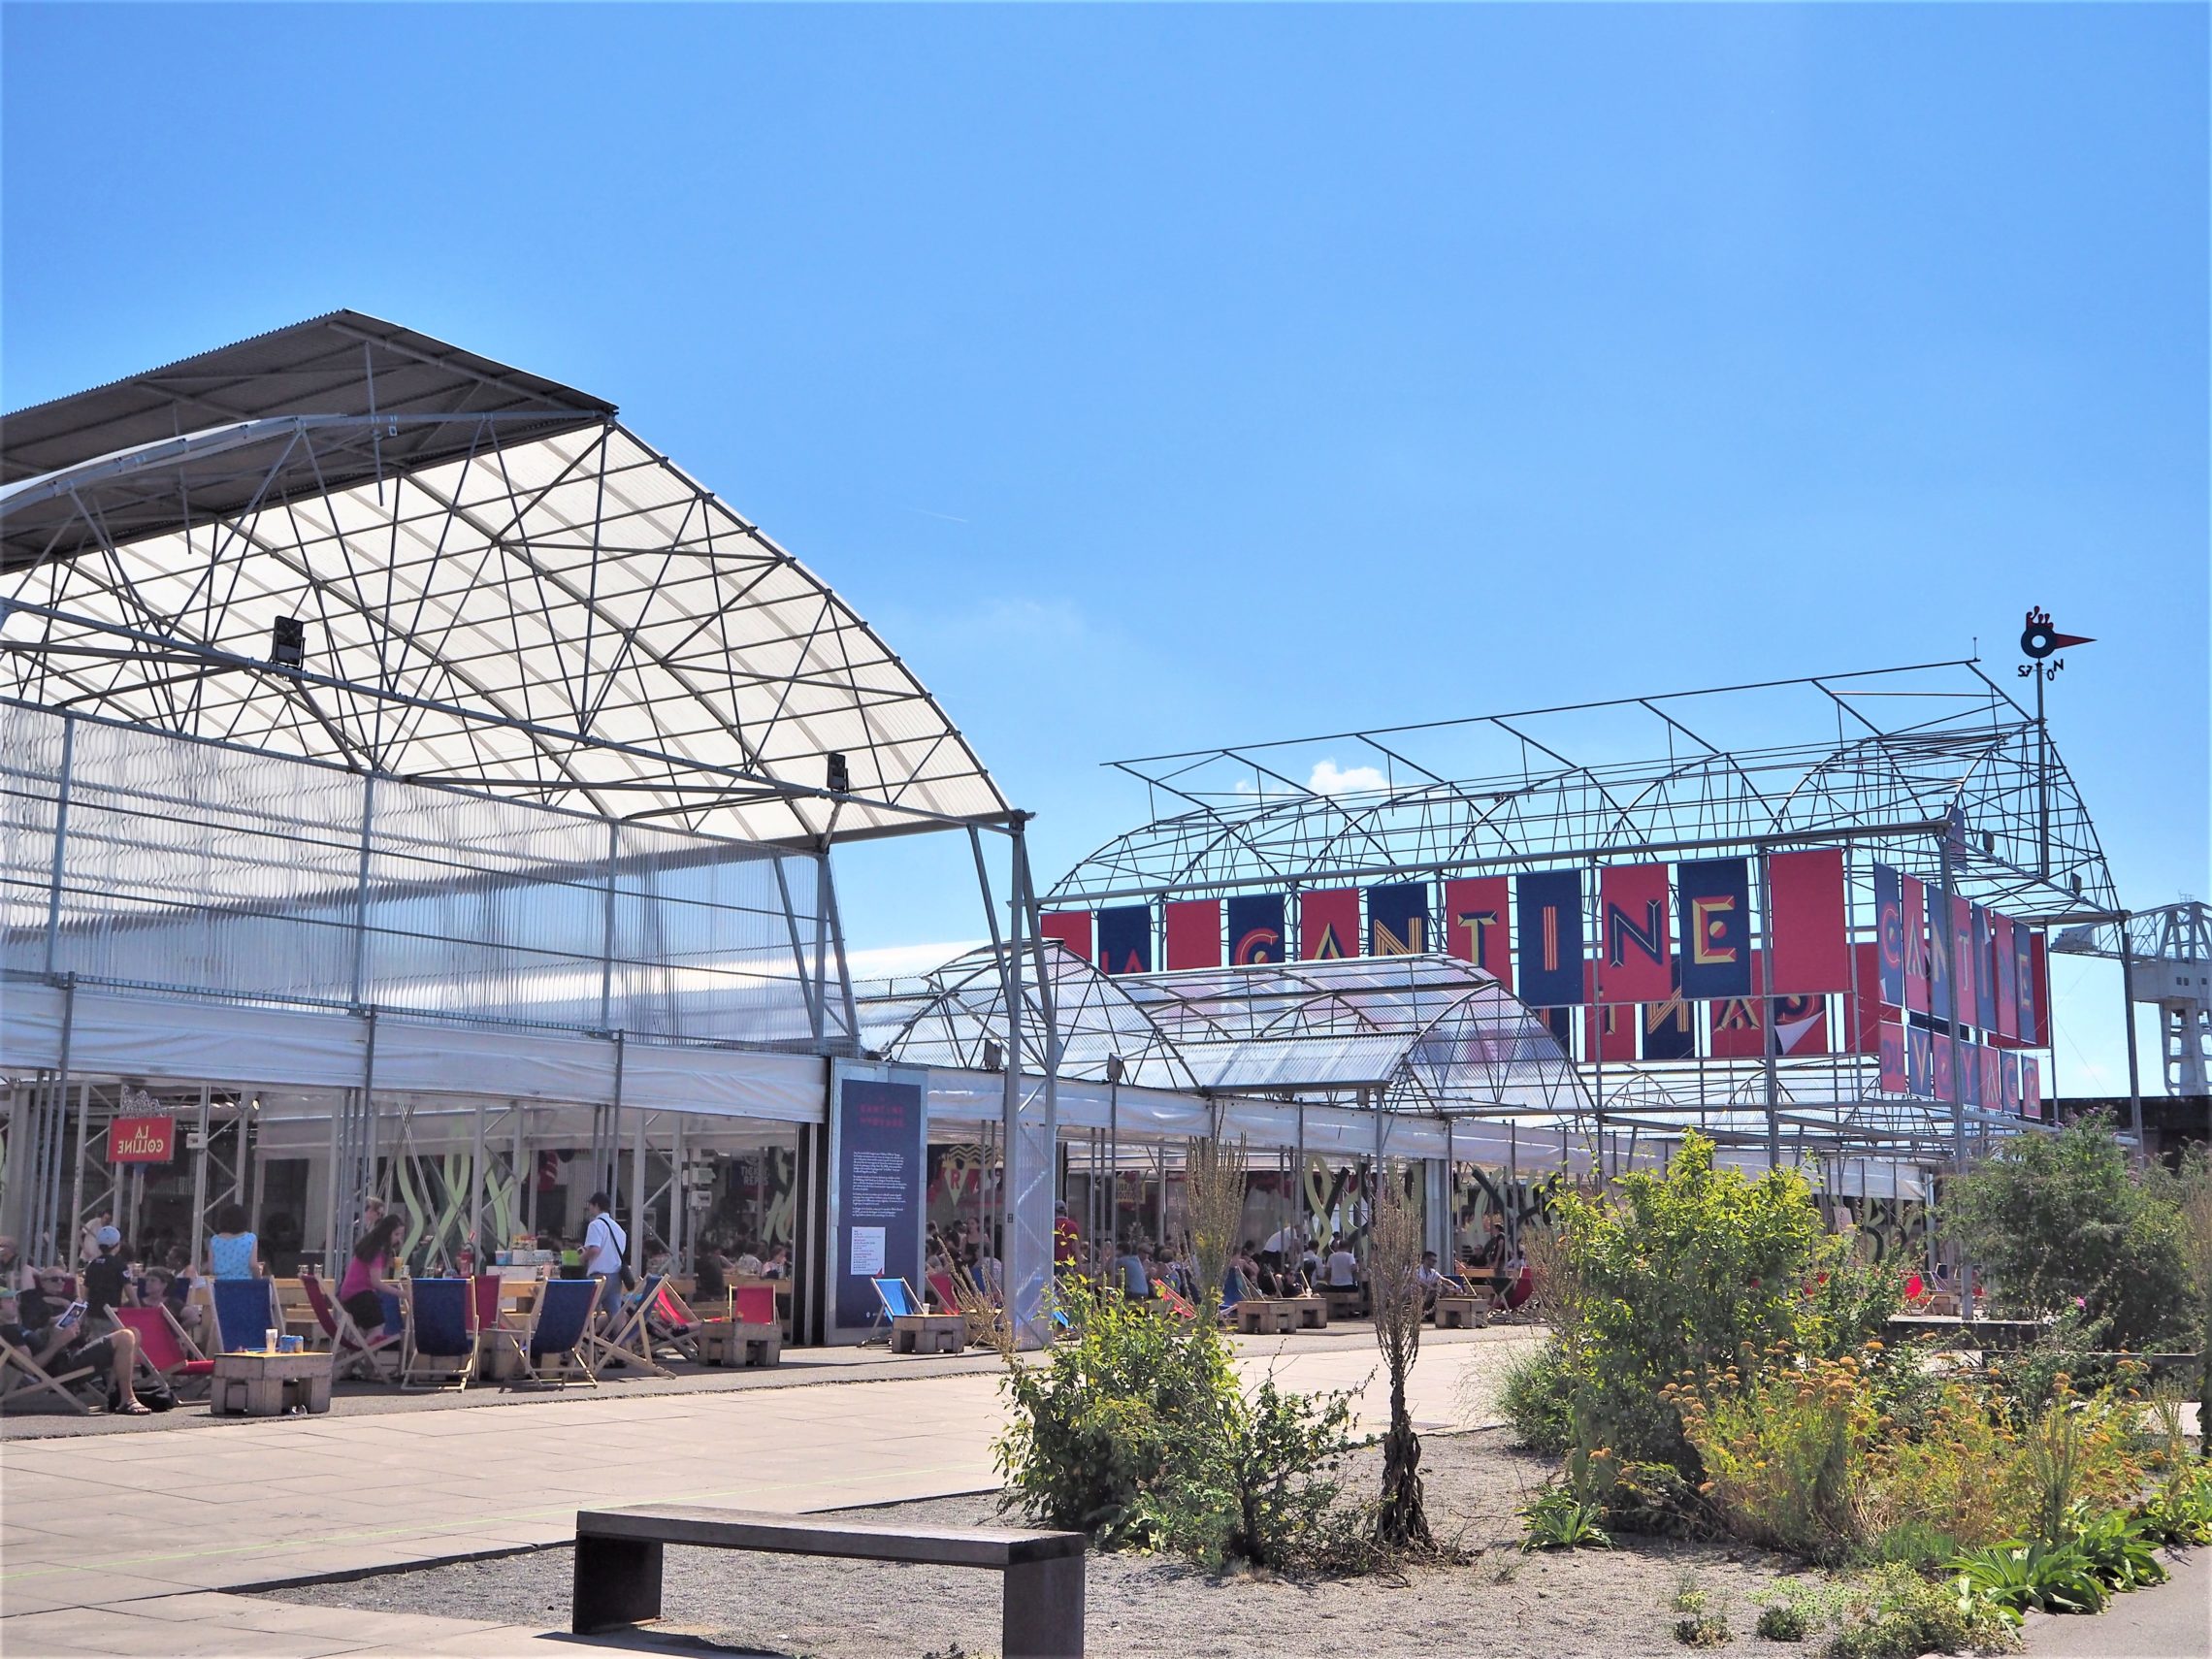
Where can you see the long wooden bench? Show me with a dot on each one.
(618, 1564)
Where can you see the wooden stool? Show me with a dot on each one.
(1311, 1312)
(1462, 1313)
(929, 1333)
(725, 1341)
(269, 1385)
(1346, 1301)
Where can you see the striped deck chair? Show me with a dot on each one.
(441, 1330)
(1175, 1301)
(164, 1345)
(560, 1340)
(354, 1355)
(629, 1341)
(23, 1380)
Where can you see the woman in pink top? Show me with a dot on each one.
(361, 1291)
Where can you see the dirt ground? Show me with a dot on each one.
(1608, 1603)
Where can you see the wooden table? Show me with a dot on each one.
(731, 1342)
(1346, 1301)
(929, 1333)
(1263, 1316)
(1463, 1313)
(1311, 1312)
(269, 1385)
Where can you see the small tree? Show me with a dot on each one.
(1393, 1269)
(1213, 1185)
(2052, 1218)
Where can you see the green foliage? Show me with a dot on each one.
(1536, 1395)
(2117, 1549)
(1701, 1616)
(2052, 1218)
(1893, 1613)
(1559, 1519)
(2056, 1578)
(1786, 1452)
(2180, 1511)
(1784, 1621)
(1134, 1429)
(1696, 1270)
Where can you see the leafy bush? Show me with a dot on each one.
(1696, 1270)
(2056, 1578)
(1536, 1397)
(2180, 1510)
(2052, 1218)
(1135, 1430)
(1701, 1616)
(2116, 1547)
(1785, 1452)
(1558, 1519)
(1893, 1613)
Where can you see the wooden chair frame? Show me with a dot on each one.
(173, 1375)
(448, 1368)
(31, 1379)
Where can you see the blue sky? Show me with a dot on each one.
(1155, 376)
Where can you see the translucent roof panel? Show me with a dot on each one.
(563, 616)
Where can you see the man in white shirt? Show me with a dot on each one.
(604, 1245)
(1343, 1268)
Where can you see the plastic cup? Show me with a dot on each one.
(271, 1339)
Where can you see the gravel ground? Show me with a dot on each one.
(1585, 1603)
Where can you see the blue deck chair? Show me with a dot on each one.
(440, 1330)
(246, 1312)
(561, 1333)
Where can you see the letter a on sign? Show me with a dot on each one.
(1715, 900)
(1635, 947)
(1328, 924)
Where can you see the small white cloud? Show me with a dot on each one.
(894, 962)
(1330, 779)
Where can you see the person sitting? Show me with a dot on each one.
(360, 1292)
(778, 1264)
(710, 1282)
(107, 1277)
(1129, 1272)
(1434, 1281)
(55, 1338)
(1342, 1270)
(15, 1272)
(749, 1263)
(233, 1251)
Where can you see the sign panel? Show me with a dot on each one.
(1398, 919)
(1919, 1062)
(1812, 936)
(1992, 1091)
(1912, 904)
(1609, 1029)
(1985, 981)
(2024, 1006)
(1635, 947)
(1866, 1019)
(1800, 1024)
(1548, 918)
(1715, 895)
(2041, 980)
(142, 1140)
(877, 1151)
(1669, 1028)
(2011, 1081)
(1194, 929)
(1124, 939)
(2004, 970)
(1475, 929)
(1938, 959)
(1328, 924)
(1964, 998)
(1889, 935)
(1892, 1052)
(1256, 930)
(1944, 1075)
(1071, 927)
(2031, 1088)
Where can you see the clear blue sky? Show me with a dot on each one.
(1155, 376)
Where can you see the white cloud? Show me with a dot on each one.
(896, 961)
(1330, 779)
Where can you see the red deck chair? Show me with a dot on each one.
(941, 1287)
(1178, 1303)
(752, 1304)
(164, 1345)
(376, 1364)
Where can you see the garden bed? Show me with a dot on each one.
(1592, 1603)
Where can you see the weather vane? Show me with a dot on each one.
(2039, 639)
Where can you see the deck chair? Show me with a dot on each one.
(894, 1300)
(441, 1330)
(246, 1312)
(753, 1305)
(941, 1287)
(1176, 1302)
(23, 1380)
(632, 1340)
(680, 1327)
(354, 1354)
(560, 1340)
(164, 1346)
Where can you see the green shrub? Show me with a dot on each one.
(1791, 1610)
(2052, 1218)
(1893, 1613)
(2180, 1511)
(1537, 1392)
(1134, 1429)
(2116, 1548)
(1701, 1616)
(2056, 1578)
(1559, 1519)
(1697, 1270)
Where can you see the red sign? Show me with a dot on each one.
(1193, 933)
(1071, 927)
(1328, 923)
(142, 1140)
(1811, 941)
(1636, 949)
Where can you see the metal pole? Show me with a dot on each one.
(1951, 1038)
(200, 1181)
(361, 893)
(1767, 1011)
(2128, 1016)
(83, 1127)
(60, 841)
(607, 925)
(613, 1177)
(2043, 784)
(474, 1235)
(1300, 1158)
(638, 1196)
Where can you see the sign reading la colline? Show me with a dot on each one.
(142, 1140)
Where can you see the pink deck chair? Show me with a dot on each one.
(375, 1364)
(164, 1345)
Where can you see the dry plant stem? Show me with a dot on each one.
(1394, 1260)
(1214, 1183)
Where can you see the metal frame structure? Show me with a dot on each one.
(1933, 769)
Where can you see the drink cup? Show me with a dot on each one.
(270, 1339)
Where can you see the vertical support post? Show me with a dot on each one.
(638, 1196)
(2127, 1019)
(827, 887)
(64, 1238)
(1766, 1042)
(607, 925)
(473, 1229)
(361, 893)
(200, 1157)
(1951, 1038)
(1299, 1158)
(60, 844)
(1512, 1188)
(611, 1179)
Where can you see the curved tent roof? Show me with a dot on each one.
(500, 587)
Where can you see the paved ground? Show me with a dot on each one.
(120, 1541)
(2172, 1621)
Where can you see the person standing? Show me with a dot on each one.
(605, 1245)
(105, 1275)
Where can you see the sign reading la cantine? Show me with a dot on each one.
(142, 1140)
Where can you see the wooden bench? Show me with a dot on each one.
(732, 1342)
(1263, 1316)
(618, 1564)
(929, 1333)
(1462, 1312)
(1311, 1312)
(1346, 1301)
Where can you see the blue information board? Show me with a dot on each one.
(878, 1133)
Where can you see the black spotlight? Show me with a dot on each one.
(288, 642)
(840, 776)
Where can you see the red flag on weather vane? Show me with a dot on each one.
(2039, 640)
